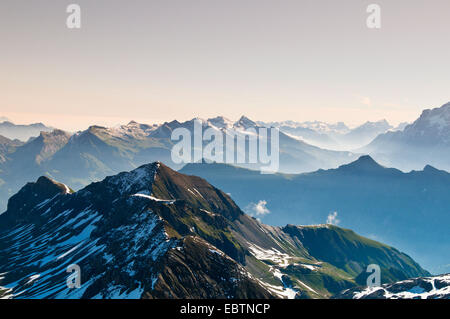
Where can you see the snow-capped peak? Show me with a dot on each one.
(245, 122)
(139, 180)
(437, 287)
(220, 122)
(433, 125)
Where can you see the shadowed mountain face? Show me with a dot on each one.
(156, 233)
(408, 210)
(424, 142)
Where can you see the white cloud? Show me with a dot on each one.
(258, 209)
(332, 218)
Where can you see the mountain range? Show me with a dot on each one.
(437, 287)
(407, 210)
(157, 233)
(336, 136)
(21, 132)
(7, 146)
(93, 154)
(424, 142)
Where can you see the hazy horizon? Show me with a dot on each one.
(153, 61)
(74, 126)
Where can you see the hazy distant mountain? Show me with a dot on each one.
(316, 126)
(317, 133)
(295, 154)
(363, 134)
(333, 136)
(437, 287)
(99, 151)
(401, 126)
(156, 233)
(307, 134)
(26, 161)
(4, 119)
(408, 210)
(426, 141)
(93, 154)
(39, 149)
(21, 132)
(221, 122)
(7, 146)
(81, 158)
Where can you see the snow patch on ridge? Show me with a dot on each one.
(440, 288)
(165, 201)
(282, 261)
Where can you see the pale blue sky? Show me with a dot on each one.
(269, 59)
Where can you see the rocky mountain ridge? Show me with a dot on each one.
(156, 233)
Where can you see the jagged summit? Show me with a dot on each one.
(443, 108)
(245, 122)
(154, 180)
(425, 141)
(34, 193)
(437, 118)
(432, 128)
(93, 128)
(173, 123)
(139, 180)
(45, 182)
(220, 122)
